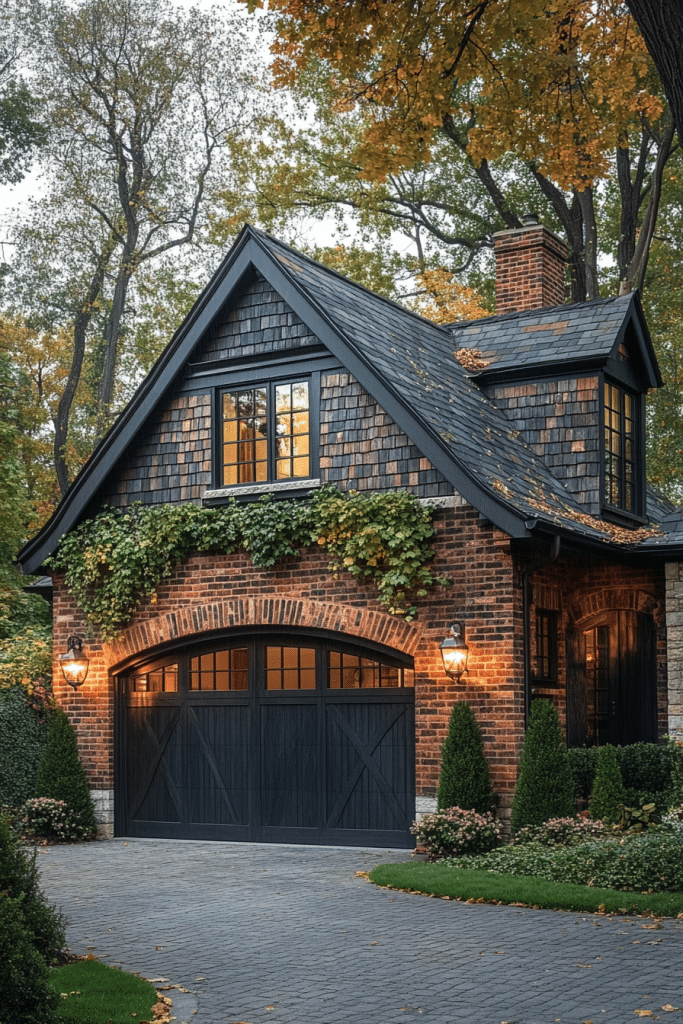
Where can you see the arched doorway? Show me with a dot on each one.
(268, 737)
(612, 679)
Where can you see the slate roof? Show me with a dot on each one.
(408, 365)
(563, 338)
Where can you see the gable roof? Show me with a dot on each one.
(563, 339)
(404, 361)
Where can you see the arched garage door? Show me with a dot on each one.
(286, 739)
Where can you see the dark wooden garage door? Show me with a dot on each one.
(268, 739)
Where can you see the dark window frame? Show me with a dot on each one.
(268, 378)
(256, 642)
(546, 629)
(609, 479)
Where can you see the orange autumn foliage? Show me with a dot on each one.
(555, 81)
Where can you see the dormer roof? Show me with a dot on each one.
(562, 340)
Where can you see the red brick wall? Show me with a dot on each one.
(530, 269)
(210, 592)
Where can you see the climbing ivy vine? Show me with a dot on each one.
(114, 561)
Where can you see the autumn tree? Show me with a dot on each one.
(566, 92)
(142, 100)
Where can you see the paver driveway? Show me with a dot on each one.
(290, 935)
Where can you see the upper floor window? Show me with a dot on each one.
(621, 449)
(266, 433)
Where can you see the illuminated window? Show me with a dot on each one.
(163, 679)
(351, 672)
(266, 433)
(220, 670)
(620, 449)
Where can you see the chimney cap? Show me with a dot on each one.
(530, 219)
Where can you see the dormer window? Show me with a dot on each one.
(266, 433)
(621, 449)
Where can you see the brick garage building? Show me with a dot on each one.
(287, 705)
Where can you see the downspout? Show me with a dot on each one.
(527, 573)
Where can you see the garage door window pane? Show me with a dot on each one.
(220, 670)
(157, 680)
(350, 672)
(290, 668)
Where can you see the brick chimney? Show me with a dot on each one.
(530, 264)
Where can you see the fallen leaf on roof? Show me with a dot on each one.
(471, 358)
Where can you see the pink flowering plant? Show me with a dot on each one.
(561, 832)
(454, 832)
(52, 819)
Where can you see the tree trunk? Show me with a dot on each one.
(590, 236)
(81, 323)
(661, 26)
(634, 273)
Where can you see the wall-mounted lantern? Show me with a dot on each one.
(454, 651)
(74, 663)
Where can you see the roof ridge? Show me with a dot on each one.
(518, 314)
(441, 328)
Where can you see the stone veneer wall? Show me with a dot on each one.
(674, 629)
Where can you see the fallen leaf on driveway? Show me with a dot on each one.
(643, 1013)
(362, 874)
(671, 1009)
(651, 927)
(583, 965)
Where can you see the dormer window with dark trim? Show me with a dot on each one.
(266, 433)
(622, 450)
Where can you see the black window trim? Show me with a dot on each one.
(270, 377)
(256, 639)
(615, 513)
(551, 680)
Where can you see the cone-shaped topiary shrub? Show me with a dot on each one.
(464, 777)
(608, 788)
(61, 775)
(545, 786)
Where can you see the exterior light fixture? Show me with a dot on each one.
(454, 651)
(74, 663)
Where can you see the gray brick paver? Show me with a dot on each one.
(292, 928)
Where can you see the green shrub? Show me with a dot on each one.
(27, 997)
(583, 762)
(19, 881)
(464, 777)
(545, 788)
(22, 742)
(640, 797)
(456, 831)
(560, 832)
(649, 862)
(608, 788)
(61, 775)
(51, 819)
(645, 768)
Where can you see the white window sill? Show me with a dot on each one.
(275, 487)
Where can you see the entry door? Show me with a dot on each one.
(611, 681)
(268, 740)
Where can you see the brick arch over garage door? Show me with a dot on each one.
(192, 621)
(330, 759)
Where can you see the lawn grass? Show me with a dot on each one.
(438, 879)
(98, 994)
